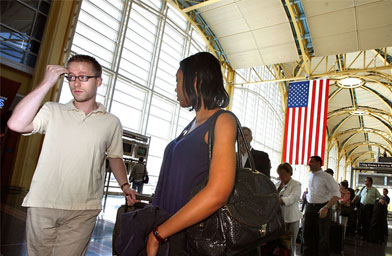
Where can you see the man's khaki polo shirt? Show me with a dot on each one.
(71, 167)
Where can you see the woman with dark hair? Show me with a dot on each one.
(186, 163)
(289, 191)
(344, 202)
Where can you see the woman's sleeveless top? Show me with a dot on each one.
(185, 164)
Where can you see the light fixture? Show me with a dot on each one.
(359, 112)
(350, 82)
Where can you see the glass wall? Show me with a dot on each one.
(342, 170)
(333, 159)
(262, 112)
(139, 44)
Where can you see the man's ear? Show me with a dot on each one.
(99, 81)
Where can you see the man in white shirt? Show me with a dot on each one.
(323, 192)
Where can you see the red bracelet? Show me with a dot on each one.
(157, 236)
(126, 183)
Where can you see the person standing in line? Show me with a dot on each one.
(385, 201)
(261, 158)
(330, 171)
(344, 203)
(323, 193)
(66, 191)
(289, 192)
(367, 198)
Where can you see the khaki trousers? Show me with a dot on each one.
(59, 232)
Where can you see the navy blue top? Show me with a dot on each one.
(185, 164)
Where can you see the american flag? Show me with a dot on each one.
(306, 120)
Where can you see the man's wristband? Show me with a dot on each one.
(157, 236)
(326, 206)
(126, 183)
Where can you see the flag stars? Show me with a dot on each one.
(298, 94)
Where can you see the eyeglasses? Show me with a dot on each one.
(81, 78)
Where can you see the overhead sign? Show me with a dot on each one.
(375, 165)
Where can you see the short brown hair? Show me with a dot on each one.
(287, 167)
(86, 58)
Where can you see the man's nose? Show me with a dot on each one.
(77, 83)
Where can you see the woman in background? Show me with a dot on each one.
(186, 163)
(344, 202)
(289, 192)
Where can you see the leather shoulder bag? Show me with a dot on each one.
(251, 217)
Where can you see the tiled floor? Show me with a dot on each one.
(13, 238)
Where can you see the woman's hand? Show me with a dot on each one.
(152, 245)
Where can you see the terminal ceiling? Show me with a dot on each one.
(312, 39)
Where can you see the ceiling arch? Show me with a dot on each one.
(308, 39)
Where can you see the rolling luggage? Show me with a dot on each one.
(121, 210)
(378, 223)
(336, 238)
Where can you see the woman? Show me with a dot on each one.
(289, 191)
(344, 203)
(185, 163)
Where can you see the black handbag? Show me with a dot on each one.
(251, 216)
(346, 210)
(145, 178)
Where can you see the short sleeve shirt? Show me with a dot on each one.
(71, 167)
(369, 196)
(321, 187)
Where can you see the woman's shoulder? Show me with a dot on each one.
(295, 182)
(226, 118)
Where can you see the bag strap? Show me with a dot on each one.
(211, 136)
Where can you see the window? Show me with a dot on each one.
(342, 170)
(140, 50)
(333, 159)
(262, 113)
(20, 38)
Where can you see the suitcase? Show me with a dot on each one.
(336, 238)
(116, 230)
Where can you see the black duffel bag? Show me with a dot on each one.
(346, 210)
(251, 216)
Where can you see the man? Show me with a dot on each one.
(138, 170)
(67, 186)
(330, 171)
(261, 159)
(367, 198)
(323, 192)
(385, 197)
(384, 200)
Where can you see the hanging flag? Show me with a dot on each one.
(306, 121)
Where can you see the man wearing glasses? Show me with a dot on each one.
(65, 194)
(367, 195)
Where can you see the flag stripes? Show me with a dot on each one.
(306, 119)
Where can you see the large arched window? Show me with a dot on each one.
(259, 107)
(139, 44)
(333, 159)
